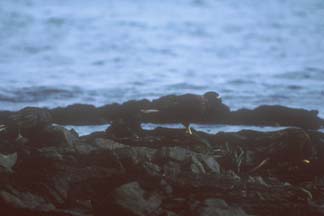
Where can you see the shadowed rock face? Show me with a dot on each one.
(131, 199)
(77, 114)
(27, 121)
(163, 172)
(277, 116)
(32, 118)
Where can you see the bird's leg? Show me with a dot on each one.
(188, 130)
(187, 126)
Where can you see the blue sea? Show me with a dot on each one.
(54, 52)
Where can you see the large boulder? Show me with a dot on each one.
(130, 200)
(8, 161)
(55, 135)
(32, 118)
(188, 160)
(24, 200)
(27, 122)
(218, 207)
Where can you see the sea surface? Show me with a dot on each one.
(54, 53)
(212, 129)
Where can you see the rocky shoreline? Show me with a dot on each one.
(265, 115)
(50, 170)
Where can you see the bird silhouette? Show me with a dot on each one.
(189, 108)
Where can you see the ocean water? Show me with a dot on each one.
(212, 129)
(54, 53)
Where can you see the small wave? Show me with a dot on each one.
(240, 81)
(294, 87)
(36, 94)
(56, 21)
(185, 86)
(308, 73)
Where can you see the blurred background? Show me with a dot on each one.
(55, 52)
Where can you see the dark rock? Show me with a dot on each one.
(32, 118)
(176, 154)
(130, 200)
(189, 108)
(195, 162)
(65, 179)
(77, 114)
(163, 171)
(108, 111)
(250, 148)
(121, 128)
(128, 111)
(98, 144)
(218, 207)
(126, 119)
(169, 213)
(5, 117)
(52, 136)
(60, 136)
(24, 200)
(276, 116)
(8, 161)
(28, 121)
(24, 203)
(178, 137)
(150, 169)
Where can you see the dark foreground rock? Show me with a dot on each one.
(162, 172)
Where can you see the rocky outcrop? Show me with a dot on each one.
(46, 169)
(276, 116)
(162, 172)
(187, 108)
(130, 199)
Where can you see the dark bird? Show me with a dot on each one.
(127, 118)
(29, 119)
(190, 108)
